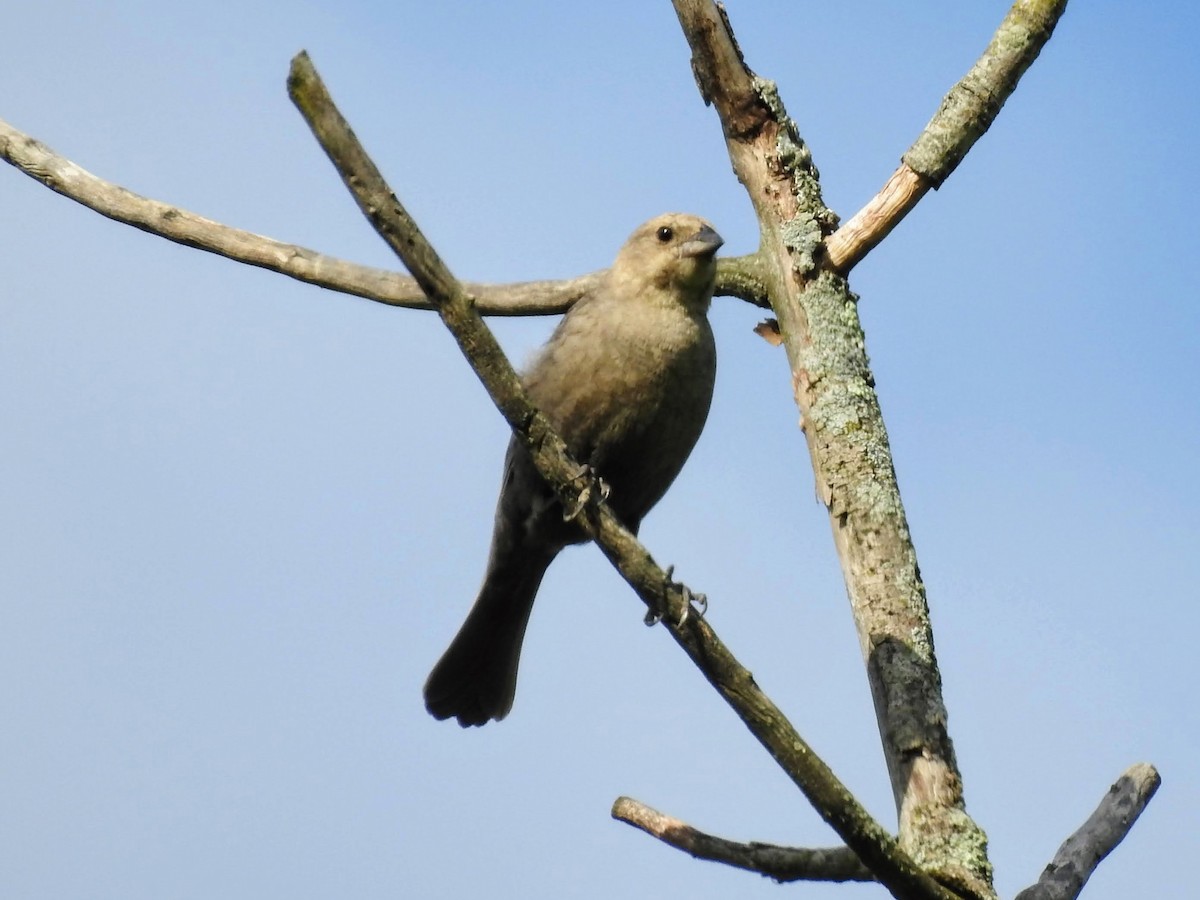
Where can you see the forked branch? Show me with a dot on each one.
(800, 268)
(848, 444)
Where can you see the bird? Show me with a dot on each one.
(626, 379)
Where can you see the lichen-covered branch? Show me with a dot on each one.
(967, 111)
(690, 630)
(1082, 852)
(780, 863)
(971, 106)
(850, 455)
(735, 277)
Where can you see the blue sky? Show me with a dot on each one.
(241, 517)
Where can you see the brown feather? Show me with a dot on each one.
(626, 379)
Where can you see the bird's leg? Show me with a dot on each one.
(589, 477)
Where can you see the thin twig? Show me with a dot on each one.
(781, 863)
(735, 277)
(1082, 852)
(690, 630)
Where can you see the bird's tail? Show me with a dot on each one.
(476, 678)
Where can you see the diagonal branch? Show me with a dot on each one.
(781, 863)
(735, 684)
(963, 117)
(1082, 852)
(736, 277)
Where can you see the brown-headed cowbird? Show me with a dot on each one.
(626, 379)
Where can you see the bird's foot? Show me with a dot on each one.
(591, 481)
(690, 600)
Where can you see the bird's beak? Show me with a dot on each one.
(704, 242)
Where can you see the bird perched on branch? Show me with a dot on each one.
(626, 379)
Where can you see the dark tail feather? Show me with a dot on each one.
(476, 678)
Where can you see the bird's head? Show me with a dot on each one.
(676, 253)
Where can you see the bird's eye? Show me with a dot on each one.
(665, 234)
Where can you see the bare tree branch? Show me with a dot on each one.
(1082, 852)
(736, 277)
(848, 445)
(964, 115)
(800, 267)
(973, 104)
(847, 246)
(847, 440)
(781, 863)
(654, 586)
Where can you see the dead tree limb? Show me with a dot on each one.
(966, 112)
(1082, 852)
(780, 863)
(736, 277)
(800, 268)
(842, 421)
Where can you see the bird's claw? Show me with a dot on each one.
(700, 602)
(589, 477)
